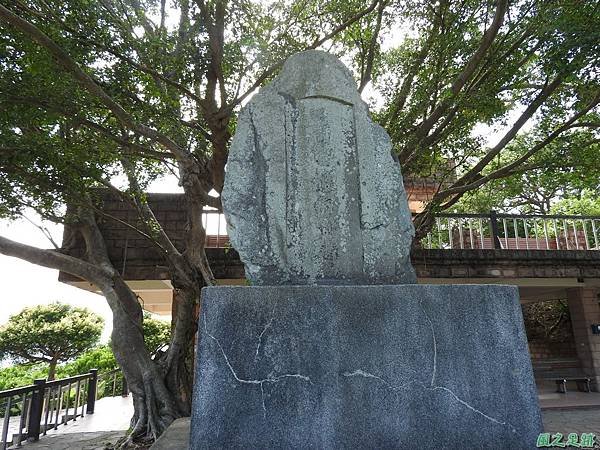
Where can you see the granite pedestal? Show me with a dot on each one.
(363, 367)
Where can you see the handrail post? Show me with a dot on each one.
(91, 394)
(494, 226)
(35, 411)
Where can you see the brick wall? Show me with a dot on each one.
(458, 263)
(541, 350)
(585, 310)
(138, 259)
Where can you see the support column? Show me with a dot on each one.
(585, 311)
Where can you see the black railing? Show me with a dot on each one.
(31, 411)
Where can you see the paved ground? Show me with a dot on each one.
(549, 398)
(92, 432)
(98, 440)
(572, 421)
(563, 421)
(108, 424)
(111, 414)
(560, 417)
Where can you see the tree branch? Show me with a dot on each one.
(43, 230)
(88, 83)
(271, 70)
(503, 171)
(154, 228)
(53, 260)
(512, 132)
(368, 69)
(460, 80)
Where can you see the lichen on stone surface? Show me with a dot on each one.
(312, 192)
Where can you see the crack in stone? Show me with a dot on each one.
(362, 373)
(475, 410)
(250, 381)
(435, 387)
(267, 326)
(432, 386)
(262, 398)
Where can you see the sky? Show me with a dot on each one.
(25, 284)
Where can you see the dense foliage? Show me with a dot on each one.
(443, 76)
(156, 335)
(49, 333)
(548, 321)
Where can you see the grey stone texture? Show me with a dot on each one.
(313, 194)
(363, 367)
(95, 440)
(176, 437)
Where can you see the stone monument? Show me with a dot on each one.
(313, 194)
(334, 345)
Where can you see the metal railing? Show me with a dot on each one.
(216, 226)
(33, 410)
(112, 383)
(46, 404)
(479, 231)
(514, 232)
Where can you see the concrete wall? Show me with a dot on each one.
(585, 310)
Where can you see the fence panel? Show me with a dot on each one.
(513, 232)
(31, 411)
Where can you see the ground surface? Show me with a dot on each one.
(97, 440)
(108, 424)
(94, 431)
(564, 421)
(573, 421)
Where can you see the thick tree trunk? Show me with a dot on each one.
(178, 363)
(52, 369)
(219, 141)
(423, 223)
(154, 404)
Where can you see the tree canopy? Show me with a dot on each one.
(49, 333)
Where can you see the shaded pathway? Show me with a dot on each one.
(94, 431)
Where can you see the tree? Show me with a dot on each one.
(548, 320)
(586, 203)
(100, 358)
(21, 375)
(521, 68)
(157, 333)
(91, 90)
(50, 333)
(561, 174)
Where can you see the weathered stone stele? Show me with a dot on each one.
(313, 194)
